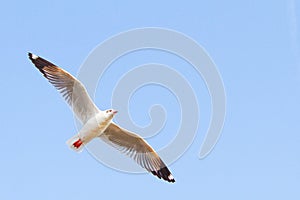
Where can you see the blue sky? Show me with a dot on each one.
(255, 45)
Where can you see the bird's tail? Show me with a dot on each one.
(75, 143)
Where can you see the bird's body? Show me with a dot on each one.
(97, 123)
(93, 128)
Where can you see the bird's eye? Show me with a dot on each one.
(107, 111)
(110, 110)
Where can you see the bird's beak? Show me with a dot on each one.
(115, 112)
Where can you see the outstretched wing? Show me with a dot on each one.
(138, 149)
(71, 89)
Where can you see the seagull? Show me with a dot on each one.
(97, 123)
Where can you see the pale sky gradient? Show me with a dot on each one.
(253, 45)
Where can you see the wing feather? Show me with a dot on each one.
(138, 149)
(71, 89)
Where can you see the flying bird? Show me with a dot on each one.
(97, 123)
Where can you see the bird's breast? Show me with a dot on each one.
(93, 128)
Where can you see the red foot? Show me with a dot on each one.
(77, 144)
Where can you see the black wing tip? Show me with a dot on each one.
(32, 57)
(39, 62)
(165, 174)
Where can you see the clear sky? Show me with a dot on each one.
(254, 44)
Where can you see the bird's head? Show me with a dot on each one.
(110, 113)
